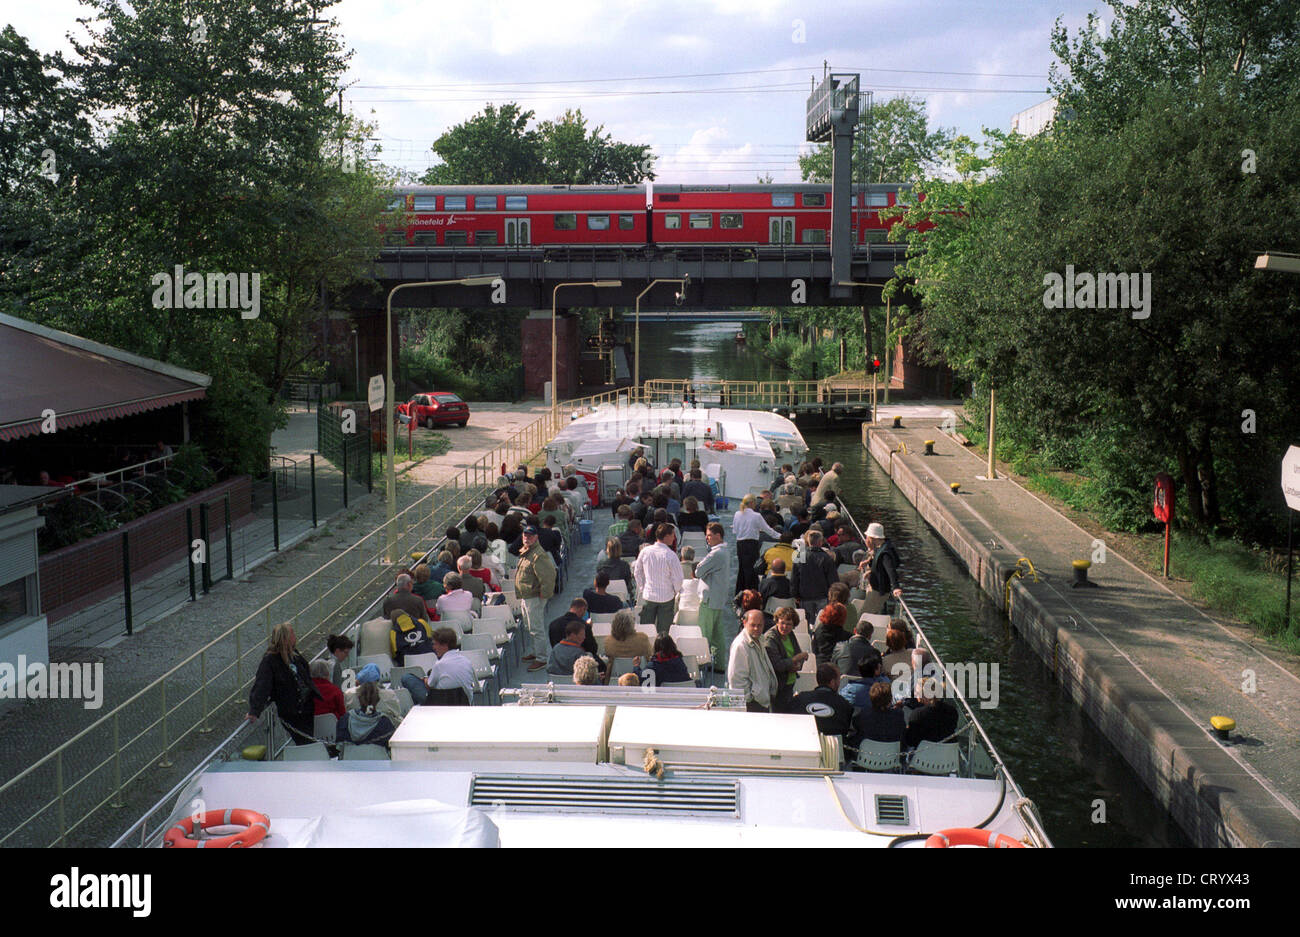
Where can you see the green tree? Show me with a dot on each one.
(493, 148)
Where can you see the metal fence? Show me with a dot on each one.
(758, 394)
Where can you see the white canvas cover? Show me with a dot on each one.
(415, 823)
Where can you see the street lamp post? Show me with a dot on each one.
(356, 351)
(636, 342)
(599, 284)
(390, 475)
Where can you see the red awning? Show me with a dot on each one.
(83, 382)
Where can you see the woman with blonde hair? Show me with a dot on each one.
(284, 678)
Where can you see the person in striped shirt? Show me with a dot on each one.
(658, 573)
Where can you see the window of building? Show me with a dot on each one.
(814, 200)
(598, 222)
(701, 219)
(453, 203)
(13, 601)
(566, 222)
(516, 203)
(814, 236)
(672, 221)
(731, 220)
(626, 222)
(783, 200)
(485, 203)
(426, 203)
(455, 238)
(426, 238)
(485, 237)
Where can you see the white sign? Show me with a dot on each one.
(375, 393)
(1291, 478)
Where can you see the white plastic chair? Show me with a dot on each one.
(774, 603)
(938, 758)
(687, 618)
(878, 756)
(325, 726)
(424, 661)
(383, 662)
(404, 700)
(372, 637)
(364, 753)
(315, 751)
(619, 666)
(602, 617)
(480, 642)
(680, 630)
(619, 588)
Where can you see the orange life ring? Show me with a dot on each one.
(965, 836)
(719, 445)
(256, 825)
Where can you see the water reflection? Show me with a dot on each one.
(702, 352)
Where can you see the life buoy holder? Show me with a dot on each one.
(719, 445)
(965, 836)
(256, 826)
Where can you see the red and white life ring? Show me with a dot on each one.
(719, 445)
(965, 836)
(256, 826)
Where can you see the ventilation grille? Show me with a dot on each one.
(606, 795)
(891, 810)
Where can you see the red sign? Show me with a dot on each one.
(593, 487)
(1163, 508)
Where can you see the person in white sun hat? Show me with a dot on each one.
(880, 569)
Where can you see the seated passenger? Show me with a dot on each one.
(625, 641)
(426, 587)
(935, 720)
(586, 672)
(783, 551)
(629, 679)
(455, 601)
(777, 583)
(405, 600)
(830, 632)
(340, 648)
(598, 600)
(452, 671)
(471, 584)
(834, 713)
(330, 700)
(366, 725)
(848, 657)
(408, 636)
(615, 567)
(667, 662)
(566, 653)
(690, 517)
(882, 721)
(897, 663)
(857, 690)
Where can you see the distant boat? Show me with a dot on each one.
(740, 338)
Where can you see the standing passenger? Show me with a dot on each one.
(534, 585)
(746, 526)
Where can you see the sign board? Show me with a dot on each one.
(1291, 478)
(375, 393)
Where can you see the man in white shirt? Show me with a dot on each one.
(658, 573)
(453, 670)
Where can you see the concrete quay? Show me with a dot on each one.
(1146, 666)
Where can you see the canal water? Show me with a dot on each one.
(1056, 755)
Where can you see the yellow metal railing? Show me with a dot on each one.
(759, 394)
(75, 786)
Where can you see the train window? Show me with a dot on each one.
(672, 221)
(455, 238)
(516, 203)
(598, 222)
(874, 235)
(783, 200)
(395, 238)
(426, 203)
(877, 200)
(426, 238)
(701, 219)
(814, 236)
(731, 220)
(626, 222)
(485, 203)
(397, 204)
(453, 203)
(485, 237)
(566, 222)
(814, 200)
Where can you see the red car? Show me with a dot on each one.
(434, 408)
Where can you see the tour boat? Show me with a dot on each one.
(542, 763)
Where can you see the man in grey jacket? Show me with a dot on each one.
(749, 670)
(715, 571)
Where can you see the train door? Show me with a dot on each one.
(780, 229)
(519, 231)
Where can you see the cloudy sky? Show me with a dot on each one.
(717, 87)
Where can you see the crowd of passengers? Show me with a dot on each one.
(791, 549)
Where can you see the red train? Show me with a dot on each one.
(629, 216)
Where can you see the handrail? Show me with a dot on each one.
(455, 498)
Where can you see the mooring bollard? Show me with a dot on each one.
(1223, 726)
(1081, 574)
(929, 447)
(956, 487)
(898, 422)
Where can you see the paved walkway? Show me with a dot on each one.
(1179, 665)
